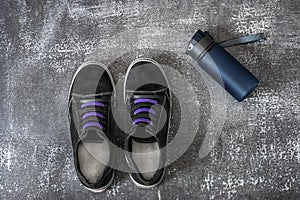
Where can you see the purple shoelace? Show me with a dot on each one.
(92, 114)
(143, 110)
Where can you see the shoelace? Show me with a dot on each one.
(141, 112)
(91, 117)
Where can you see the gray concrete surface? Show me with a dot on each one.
(257, 155)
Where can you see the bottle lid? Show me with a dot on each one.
(200, 43)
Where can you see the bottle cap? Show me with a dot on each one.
(200, 43)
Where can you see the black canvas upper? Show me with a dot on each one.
(91, 84)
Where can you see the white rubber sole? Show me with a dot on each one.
(98, 190)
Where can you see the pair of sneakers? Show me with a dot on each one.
(147, 100)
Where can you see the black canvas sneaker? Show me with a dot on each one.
(147, 98)
(89, 113)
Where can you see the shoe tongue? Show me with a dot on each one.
(92, 135)
(143, 134)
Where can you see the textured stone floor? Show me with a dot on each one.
(256, 154)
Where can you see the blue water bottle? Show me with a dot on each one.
(221, 66)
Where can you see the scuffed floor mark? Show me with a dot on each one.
(114, 189)
(6, 156)
(253, 18)
(158, 194)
